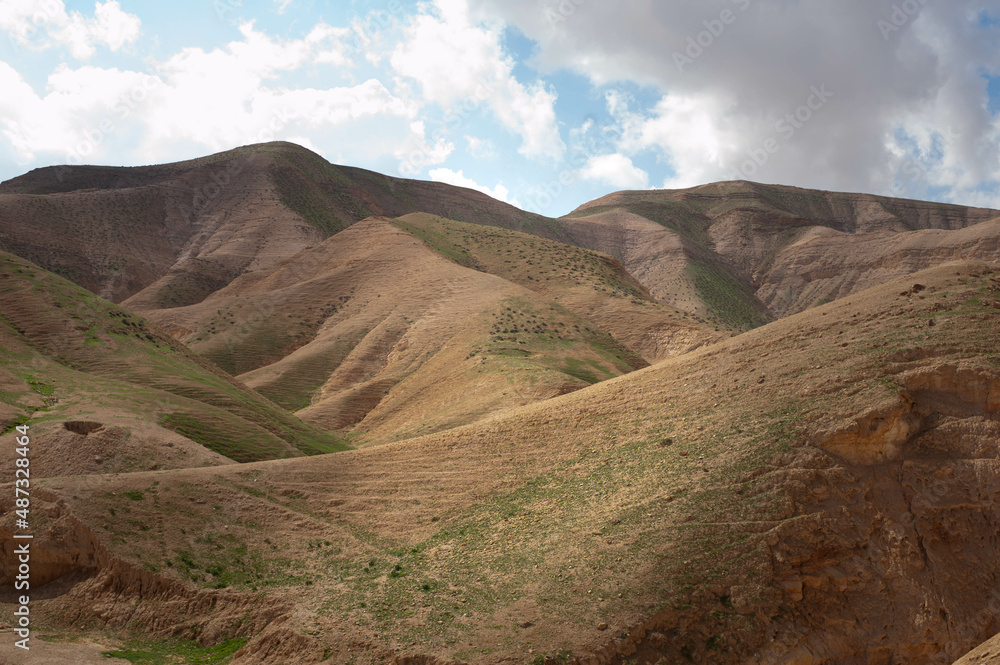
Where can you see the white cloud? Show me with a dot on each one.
(459, 179)
(229, 96)
(461, 65)
(615, 170)
(201, 101)
(923, 81)
(77, 118)
(697, 134)
(44, 24)
(480, 148)
(417, 152)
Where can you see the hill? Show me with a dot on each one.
(787, 495)
(170, 235)
(730, 250)
(395, 328)
(110, 393)
(737, 423)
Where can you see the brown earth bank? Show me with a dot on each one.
(820, 490)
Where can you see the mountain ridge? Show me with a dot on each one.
(733, 424)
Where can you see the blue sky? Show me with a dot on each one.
(543, 103)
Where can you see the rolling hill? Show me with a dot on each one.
(730, 251)
(732, 424)
(396, 328)
(788, 495)
(170, 235)
(111, 393)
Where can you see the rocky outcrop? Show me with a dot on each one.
(903, 523)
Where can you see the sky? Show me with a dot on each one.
(545, 104)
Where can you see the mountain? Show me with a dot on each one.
(170, 235)
(109, 392)
(736, 252)
(737, 423)
(264, 274)
(402, 327)
(788, 495)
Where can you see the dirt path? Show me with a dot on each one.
(50, 653)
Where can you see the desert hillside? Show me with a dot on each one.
(775, 497)
(288, 412)
(736, 251)
(110, 393)
(170, 235)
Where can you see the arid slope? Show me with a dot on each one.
(731, 251)
(169, 235)
(403, 328)
(799, 493)
(108, 392)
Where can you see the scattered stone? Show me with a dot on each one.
(760, 379)
(684, 453)
(526, 624)
(602, 626)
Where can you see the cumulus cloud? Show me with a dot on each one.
(232, 95)
(615, 170)
(417, 153)
(201, 101)
(459, 179)
(460, 65)
(44, 24)
(906, 78)
(480, 148)
(82, 110)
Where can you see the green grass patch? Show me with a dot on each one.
(231, 437)
(174, 652)
(20, 420)
(727, 299)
